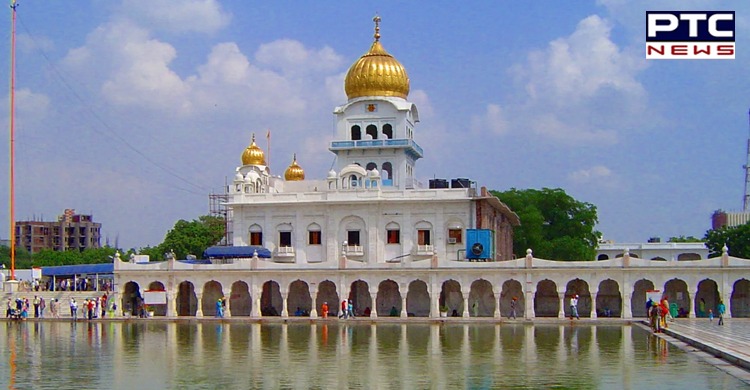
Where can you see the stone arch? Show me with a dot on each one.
(688, 256)
(327, 293)
(298, 298)
(361, 299)
(370, 166)
(481, 299)
(452, 298)
(708, 297)
(739, 302)
(388, 131)
(159, 310)
(131, 298)
(356, 133)
(638, 299)
(677, 292)
(271, 302)
(546, 300)
(187, 301)
(581, 288)
(512, 289)
(388, 299)
(658, 258)
(212, 292)
(418, 299)
(386, 171)
(372, 131)
(240, 301)
(609, 299)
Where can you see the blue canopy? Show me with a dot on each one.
(78, 269)
(228, 252)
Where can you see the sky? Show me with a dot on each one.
(135, 111)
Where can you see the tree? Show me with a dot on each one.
(23, 257)
(553, 224)
(684, 239)
(736, 238)
(193, 237)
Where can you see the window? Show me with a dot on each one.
(455, 236)
(423, 237)
(392, 233)
(356, 133)
(372, 131)
(388, 131)
(352, 237)
(285, 239)
(314, 238)
(313, 234)
(256, 235)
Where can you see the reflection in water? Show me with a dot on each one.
(343, 355)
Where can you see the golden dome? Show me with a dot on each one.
(294, 172)
(376, 73)
(253, 155)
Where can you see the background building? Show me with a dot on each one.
(70, 231)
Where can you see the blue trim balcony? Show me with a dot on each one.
(411, 147)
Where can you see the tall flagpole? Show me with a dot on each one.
(12, 196)
(268, 144)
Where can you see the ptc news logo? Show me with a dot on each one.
(695, 35)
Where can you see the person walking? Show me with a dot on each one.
(324, 310)
(512, 308)
(574, 307)
(350, 309)
(42, 306)
(721, 309)
(344, 309)
(74, 309)
(36, 306)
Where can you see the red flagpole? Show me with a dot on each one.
(12, 196)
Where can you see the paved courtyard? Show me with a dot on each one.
(726, 346)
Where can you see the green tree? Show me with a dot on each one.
(736, 238)
(553, 224)
(684, 239)
(23, 257)
(193, 237)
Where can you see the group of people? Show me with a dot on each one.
(658, 314)
(92, 308)
(20, 308)
(347, 309)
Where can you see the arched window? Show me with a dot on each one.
(603, 257)
(256, 235)
(354, 181)
(356, 133)
(387, 171)
(285, 235)
(314, 236)
(424, 233)
(372, 131)
(370, 166)
(393, 233)
(388, 131)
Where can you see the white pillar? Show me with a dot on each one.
(284, 300)
(374, 310)
(199, 309)
(498, 314)
(561, 312)
(593, 304)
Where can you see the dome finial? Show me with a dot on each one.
(376, 19)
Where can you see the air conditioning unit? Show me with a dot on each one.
(451, 240)
(480, 244)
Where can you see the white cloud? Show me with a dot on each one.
(422, 101)
(581, 89)
(598, 175)
(179, 16)
(293, 58)
(493, 120)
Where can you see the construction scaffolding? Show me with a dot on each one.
(217, 207)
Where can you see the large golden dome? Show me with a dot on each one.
(294, 172)
(253, 155)
(376, 73)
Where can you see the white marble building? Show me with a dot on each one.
(368, 231)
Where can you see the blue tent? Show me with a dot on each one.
(78, 269)
(229, 252)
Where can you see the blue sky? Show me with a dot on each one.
(134, 111)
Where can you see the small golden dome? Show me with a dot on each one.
(253, 155)
(294, 172)
(376, 73)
